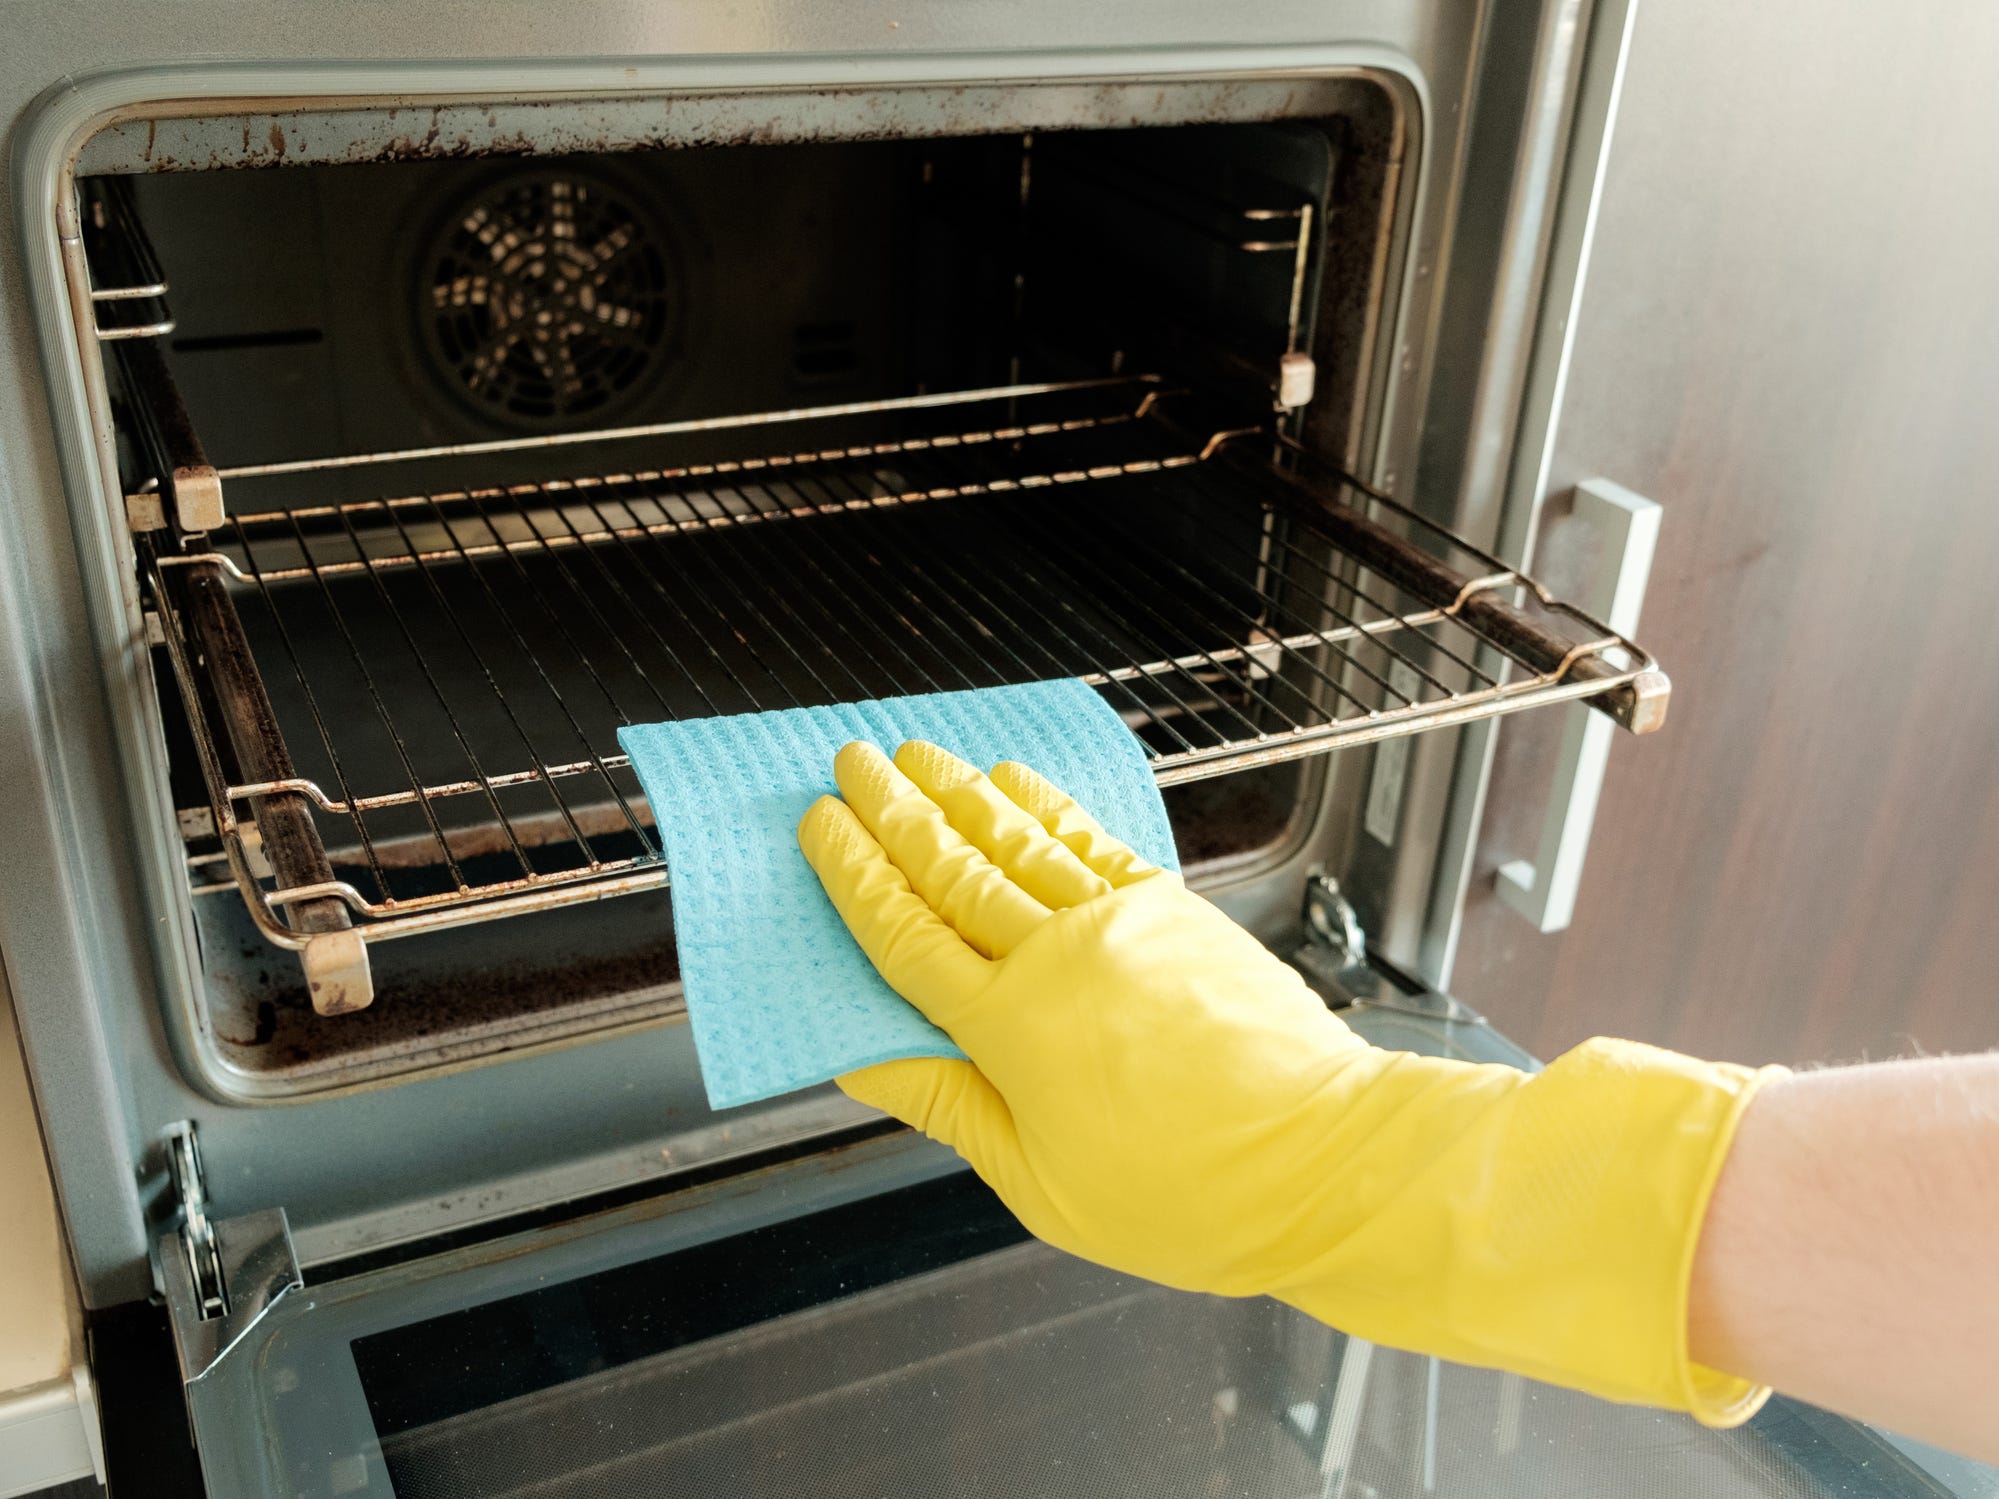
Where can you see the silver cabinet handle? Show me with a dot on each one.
(1544, 889)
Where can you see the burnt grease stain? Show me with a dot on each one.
(545, 990)
(483, 1009)
(554, 127)
(266, 1027)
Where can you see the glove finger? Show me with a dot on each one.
(1070, 825)
(922, 959)
(958, 882)
(1001, 829)
(955, 1104)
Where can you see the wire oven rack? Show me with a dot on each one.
(405, 707)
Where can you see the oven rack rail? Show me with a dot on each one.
(404, 708)
(128, 289)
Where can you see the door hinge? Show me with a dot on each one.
(220, 1276)
(1335, 960)
(197, 1229)
(1335, 947)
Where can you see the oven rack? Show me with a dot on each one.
(405, 707)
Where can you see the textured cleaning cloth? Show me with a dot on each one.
(779, 995)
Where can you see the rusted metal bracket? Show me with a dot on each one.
(189, 485)
(1638, 704)
(333, 953)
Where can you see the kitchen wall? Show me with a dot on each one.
(1790, 338)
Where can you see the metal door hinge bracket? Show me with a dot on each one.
(1331, 920)
(1335, 960)
(219, 1275)
(1334, 952)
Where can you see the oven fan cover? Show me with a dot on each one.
(550, 295)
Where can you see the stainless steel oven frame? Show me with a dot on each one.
(1506, 107)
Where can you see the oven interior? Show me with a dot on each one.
(440, 471)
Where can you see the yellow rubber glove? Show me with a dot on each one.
(1151, 1089)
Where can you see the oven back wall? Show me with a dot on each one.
(82, 940)
(318, 310)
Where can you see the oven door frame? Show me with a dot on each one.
(286, 1407)
(86, 913)
(127, 951)
(280, 1403)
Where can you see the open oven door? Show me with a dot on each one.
(870, 1321)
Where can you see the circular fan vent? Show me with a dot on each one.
(548, 296)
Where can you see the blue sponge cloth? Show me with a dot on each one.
(779, 995)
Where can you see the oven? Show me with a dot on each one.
(403, 419)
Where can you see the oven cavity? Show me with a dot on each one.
(440, 472)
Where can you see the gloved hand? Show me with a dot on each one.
(1151, 1089)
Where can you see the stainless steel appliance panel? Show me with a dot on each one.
(84, 953)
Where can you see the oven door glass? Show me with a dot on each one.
(880, 1326)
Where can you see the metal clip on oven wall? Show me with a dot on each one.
(1544, 889)
(219, 1277)
(1297, 379)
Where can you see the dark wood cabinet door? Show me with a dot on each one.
(1790, 338)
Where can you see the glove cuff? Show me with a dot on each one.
(1546, 1228)
(1710, 1396)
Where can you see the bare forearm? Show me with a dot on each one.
(1850, 1254)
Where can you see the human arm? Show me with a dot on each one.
(1850, 1254)
(1151, 1089)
